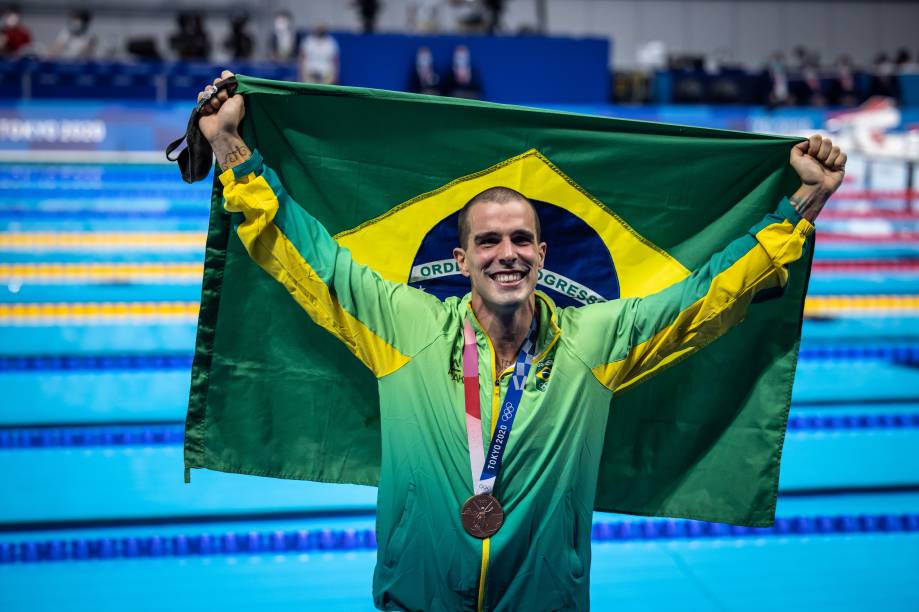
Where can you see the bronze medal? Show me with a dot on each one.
(482, 516)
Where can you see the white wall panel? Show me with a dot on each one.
(805, 23)
(711, 28)
(616, 20)
(759, 32)
(662, 20)
(518, 14)
(854, 31)
(898, 26)
(569, 17)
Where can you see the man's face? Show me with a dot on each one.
(501, 256)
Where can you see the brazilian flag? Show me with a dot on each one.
(627, 208)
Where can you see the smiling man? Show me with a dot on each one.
(501, 253)
(491, 509)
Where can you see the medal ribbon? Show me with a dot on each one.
(485, 468)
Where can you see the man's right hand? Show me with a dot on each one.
(222, 114)
(219, 123)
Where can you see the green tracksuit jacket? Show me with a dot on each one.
(540, 559)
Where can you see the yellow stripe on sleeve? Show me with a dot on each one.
(275, 254)
(723, 306)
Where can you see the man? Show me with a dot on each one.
(15, 37)
(462, 525)
(75, 42)
(319, 57)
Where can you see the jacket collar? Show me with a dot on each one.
(547, 334)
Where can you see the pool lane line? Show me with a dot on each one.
(172, 434)
(867, 237)
(103, 214)
(897, 352)
(884, 266)
(877, 194)
(328, 540)
(869, 214)
(92, 436)
(95, 241)
(44, 313)
(101, 362)
(863, 305)
(82, 273)
(77, 271)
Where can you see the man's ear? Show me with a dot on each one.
(543, 248)
(460, 256)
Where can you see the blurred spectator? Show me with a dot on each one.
(239, 42)
(462, 82)
(319, 57)
(799, 59)
(425, 80)
(15, 37)
(468, 15)
(367, 10)
(843, 91)
(883, 80)
(811, 89)
(190, 41)
(283, 37)
(75, 41)
(494, 9)
(143, 48)
(424, 16)
(903, 64)
(778, 81)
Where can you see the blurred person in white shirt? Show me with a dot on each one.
(319, 57)
(283, 37)
(75, 41)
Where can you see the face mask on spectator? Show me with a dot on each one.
(424, 59)
(461, 58)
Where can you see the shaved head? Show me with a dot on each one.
(498, 195)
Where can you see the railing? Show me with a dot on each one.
(32, 79)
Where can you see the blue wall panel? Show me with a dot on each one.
(526, 69)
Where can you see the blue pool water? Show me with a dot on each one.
(95, 516)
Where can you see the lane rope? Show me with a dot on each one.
(170, 434)
(44, 313)
(94, 241)
(57, 273)
(900, 354)
(351, 540)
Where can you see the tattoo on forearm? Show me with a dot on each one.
(808, 206)
(237, 155)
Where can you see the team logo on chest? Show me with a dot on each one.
(541, 374)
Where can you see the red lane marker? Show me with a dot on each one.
(877, 194)
(875, 213)
(868, 239)
(867, 265)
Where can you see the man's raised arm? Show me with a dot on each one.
(382, 323)
(645, 335)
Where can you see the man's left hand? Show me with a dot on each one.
(821, 166)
